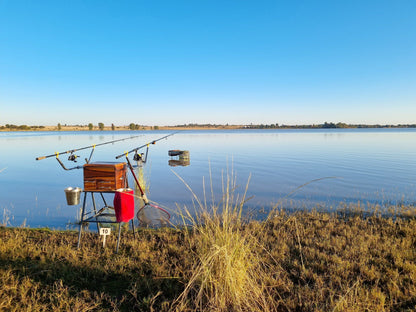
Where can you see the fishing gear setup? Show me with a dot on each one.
(111, 177)
(73, 157)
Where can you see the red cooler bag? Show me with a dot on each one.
(124, 204)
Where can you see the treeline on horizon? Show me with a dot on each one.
(21, 127)
(326, 125)
(132, 126)
(90, 126)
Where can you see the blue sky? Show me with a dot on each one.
(236, 62)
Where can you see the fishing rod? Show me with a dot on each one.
(73, 157)
(139, 157)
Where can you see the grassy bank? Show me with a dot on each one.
(307, 262)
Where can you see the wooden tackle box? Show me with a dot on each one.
(105, 176)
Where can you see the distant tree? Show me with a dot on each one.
(90, 126)
(156, 127)
(59, 127)
(341, 125)
(328, 125)
(132, 126)
(101, 126)
(113, 127)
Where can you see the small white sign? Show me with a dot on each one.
(104, 232)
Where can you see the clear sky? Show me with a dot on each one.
(237, 62)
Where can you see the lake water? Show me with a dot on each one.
(376, 166)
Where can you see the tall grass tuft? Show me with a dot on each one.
(228, 274)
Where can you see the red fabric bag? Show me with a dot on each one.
(124, 204)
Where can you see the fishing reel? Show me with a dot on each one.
(138, 157)
(73, 157)
(141, 158)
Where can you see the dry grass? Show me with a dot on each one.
(228, 274)
(41, 270)
(306, 261)
(345, 264)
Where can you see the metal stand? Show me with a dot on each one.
(99, 216)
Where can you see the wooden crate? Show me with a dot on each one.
(104, 176)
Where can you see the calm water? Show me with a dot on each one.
(367, 165)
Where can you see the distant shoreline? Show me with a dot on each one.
(131, 127)
(117, 128)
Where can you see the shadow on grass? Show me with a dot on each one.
(123, 282)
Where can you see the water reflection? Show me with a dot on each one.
(178, 162)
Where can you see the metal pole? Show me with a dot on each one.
(118, 239)
(95, 211)
(82, 219)
(134, 229)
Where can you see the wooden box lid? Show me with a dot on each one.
(107, 164)
(104, 176)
